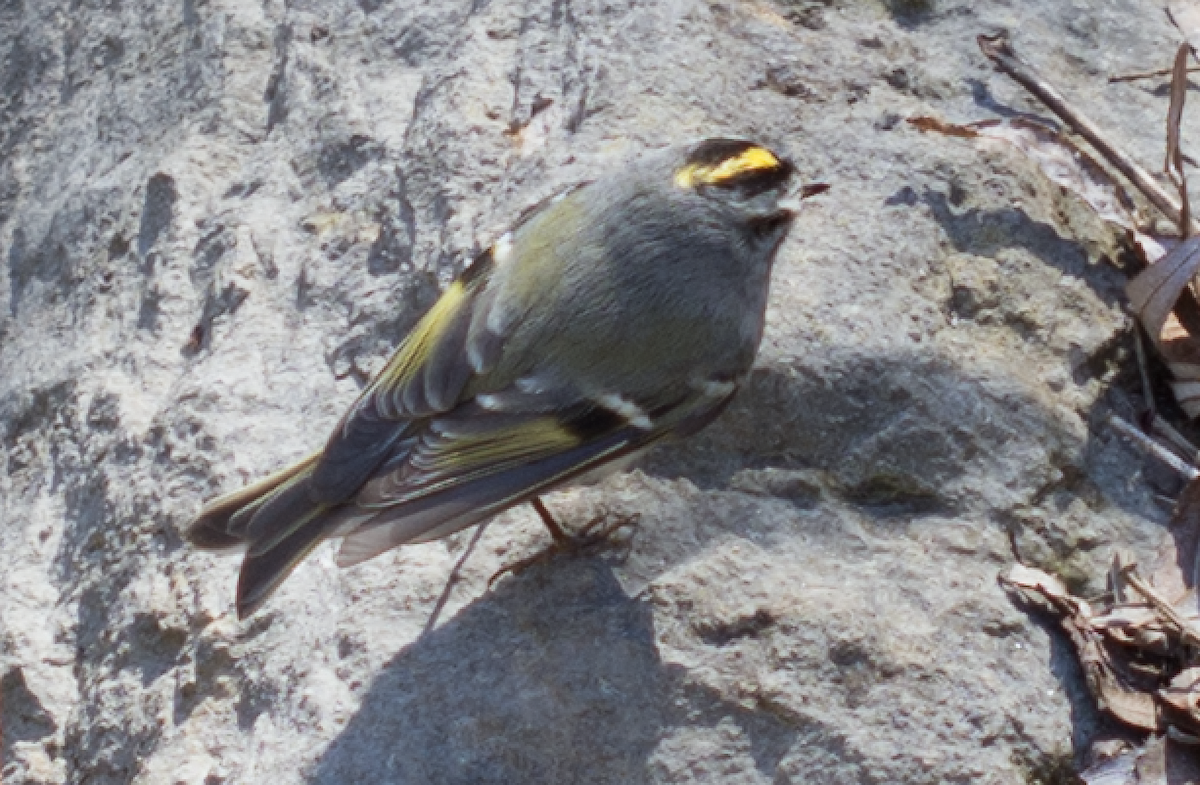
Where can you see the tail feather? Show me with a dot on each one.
(288, 508)
(264, 569)
(215, 528)
(278, 523)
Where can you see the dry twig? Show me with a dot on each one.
(1151, 447)
(1147, 75)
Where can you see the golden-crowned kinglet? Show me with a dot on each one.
(621, 313)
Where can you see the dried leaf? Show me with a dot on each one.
(1125, 617)
(1112, 688)
(1154, 292)
(1183, 695)
(1130, 706)
(1175, 623)
(925, 123)
(1183, 691)
(1153, 640)
(1033, 578)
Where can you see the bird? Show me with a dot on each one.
(621, 313)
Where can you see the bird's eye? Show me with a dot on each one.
(733, 164)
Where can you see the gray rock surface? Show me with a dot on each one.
(218, 217)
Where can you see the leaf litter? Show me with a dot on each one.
(1139, 643)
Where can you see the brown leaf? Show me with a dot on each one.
(1178, 625)
(1109, 683)
(1154, 291)
(1153, 295)
(1183, 695)
(942, 127)
(1039, 580)
(1125, 617)
(1130, 706)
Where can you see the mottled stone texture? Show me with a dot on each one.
(217, 217)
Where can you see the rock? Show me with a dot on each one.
(216, 220)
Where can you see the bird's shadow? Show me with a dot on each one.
(511, 690)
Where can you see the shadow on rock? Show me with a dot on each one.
(554, 677)
(905, 433)
(984, 232)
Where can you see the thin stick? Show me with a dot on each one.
(1147, 75)
(454, 577)
(1173, 165)
(1144, 370)
(999, 51)
(1151, 447)
(1177, 441)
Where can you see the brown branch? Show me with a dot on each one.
(1173, 166)
(1147, 75)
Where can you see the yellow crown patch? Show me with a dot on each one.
(752, 159)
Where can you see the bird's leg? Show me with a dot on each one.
(561, 538)
(592, 533)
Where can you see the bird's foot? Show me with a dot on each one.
(600, 531)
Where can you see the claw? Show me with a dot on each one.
(589, 536)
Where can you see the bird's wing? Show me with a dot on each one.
(460, 337)
(499, 450)
(424, 377)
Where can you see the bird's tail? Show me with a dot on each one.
(277, 522)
